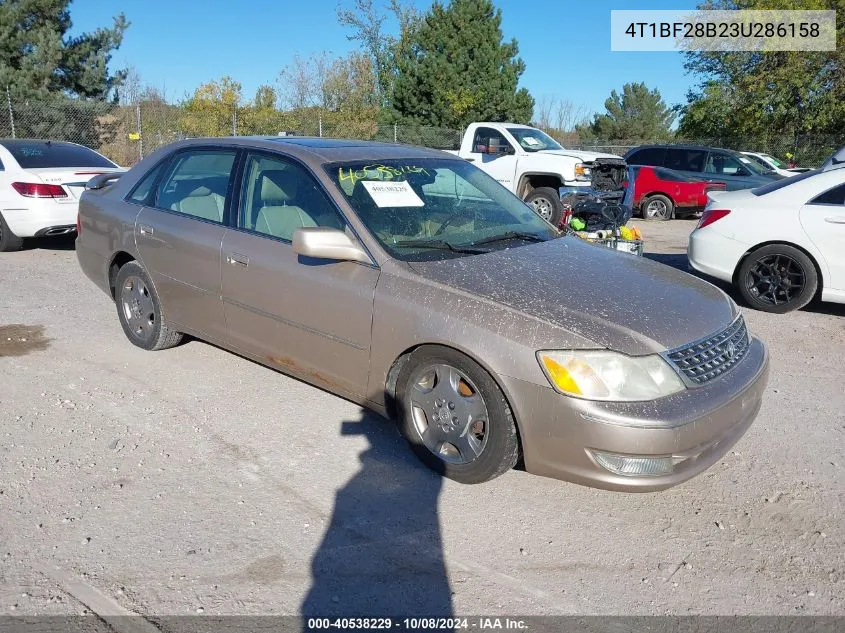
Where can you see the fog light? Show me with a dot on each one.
(630, 466)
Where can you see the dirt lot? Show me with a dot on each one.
(193, 481)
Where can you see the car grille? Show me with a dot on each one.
(708, 358)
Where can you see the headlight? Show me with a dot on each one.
(606, 375)
(582, 172)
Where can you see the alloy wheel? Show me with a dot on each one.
(138, 308)
(776, 279)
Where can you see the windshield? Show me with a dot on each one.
(774, 161)
(421, 209)
(753, 167)
(532, 140)
(47, 154)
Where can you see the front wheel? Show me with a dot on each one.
(139, 310)
(777, 278)
(546, 203)
(455, 416)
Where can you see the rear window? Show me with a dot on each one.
(46, 154)
(647, 156)
(672, 176)
(780, 184)
(685, 159)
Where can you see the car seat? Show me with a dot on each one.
(273, 213)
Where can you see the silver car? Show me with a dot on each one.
(409, 281)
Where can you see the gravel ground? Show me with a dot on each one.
(194, 481)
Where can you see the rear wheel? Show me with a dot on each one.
(546, 202)
(8, 240)
(657, 207)
(455, 416)
(777, 278)
(139, 310)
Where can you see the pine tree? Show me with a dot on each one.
(458, 69)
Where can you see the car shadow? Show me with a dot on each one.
(675, 260)
(382, 553)
(58, 243)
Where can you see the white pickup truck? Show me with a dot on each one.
(533, 165)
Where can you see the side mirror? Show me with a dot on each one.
(327, 243)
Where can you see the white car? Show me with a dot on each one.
(40, 185)
(781, 244)
(770, 163)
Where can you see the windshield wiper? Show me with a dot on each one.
(439, 244)
(511, 235)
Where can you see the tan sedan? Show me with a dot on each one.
(409, 281)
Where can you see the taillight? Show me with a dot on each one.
(710, 216)
(38, 190)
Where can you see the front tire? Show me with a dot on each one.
(777, 278)
(8, 241)
(455, 417)
(546, 203)
(139, 310)
(657, 207)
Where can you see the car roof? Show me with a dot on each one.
(705, 148)
(317, 150)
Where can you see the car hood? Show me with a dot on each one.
(586, 157)
(619, 301)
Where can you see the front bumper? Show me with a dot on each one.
(696, 427)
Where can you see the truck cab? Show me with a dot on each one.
(531, 163)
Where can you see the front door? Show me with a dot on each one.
(178, 237)
(823, 218)
(308, 317)
(493, 153)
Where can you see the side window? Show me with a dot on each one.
(684, 159)
(196, 182)
(279, 196)
(141, 192)
(724, 164)
(652, 156)
(831, 196)
(489, 140)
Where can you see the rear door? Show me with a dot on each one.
(823, 218)
(308, 317)
(178, 237)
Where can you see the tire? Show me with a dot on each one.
(8, 241)
(546, 203)
(438, 386)
(777, 278)
(139, 310)
(657, 207)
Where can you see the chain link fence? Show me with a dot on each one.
(127, 133)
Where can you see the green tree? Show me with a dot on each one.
(213, 109)
(58, 84)
(638, 114)
(39, 59)
(760, 95)
(457, 69)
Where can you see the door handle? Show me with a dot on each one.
(145, 229)
(836, 219)
(236, 259)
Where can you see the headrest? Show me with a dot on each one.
(278, 185)
(200, 191)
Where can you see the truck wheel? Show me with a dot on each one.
(657, 207)
(546, 202)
